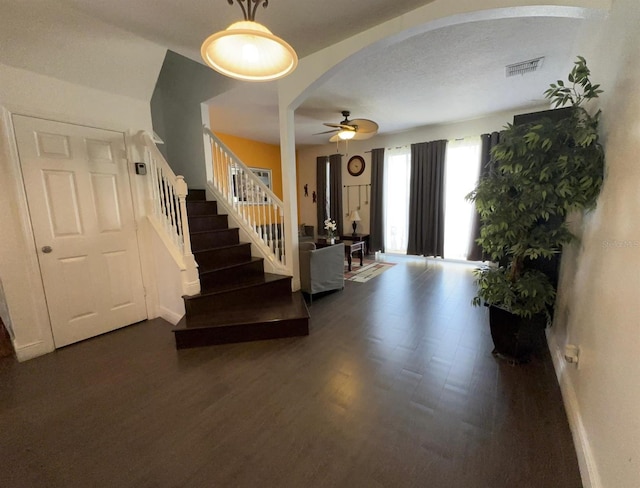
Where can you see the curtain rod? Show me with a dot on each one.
(350, 186)
(390, 148)
(456, 139)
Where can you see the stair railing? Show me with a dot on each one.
(168, 197)
(255, 207)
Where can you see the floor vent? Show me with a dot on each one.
(524, 67)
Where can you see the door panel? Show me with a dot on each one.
(78, 192)
(61, 199)
(105, 193)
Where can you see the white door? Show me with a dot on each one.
(79, 200)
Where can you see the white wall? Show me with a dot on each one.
(29, 93)
(599, 297)
(167, 279)
(306, 161)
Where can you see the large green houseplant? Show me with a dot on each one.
(541, 171)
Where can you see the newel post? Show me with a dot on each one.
(182, 191)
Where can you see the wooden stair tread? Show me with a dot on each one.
(224, 246)
(201, 216)
(227, 287)
(210, 231)
(286, 308)
(231, 266)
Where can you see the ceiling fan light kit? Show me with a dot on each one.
(358, 129)
(345, 135)
(247, 50)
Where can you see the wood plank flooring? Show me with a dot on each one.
(394, 387)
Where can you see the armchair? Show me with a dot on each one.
(306, 233)
(321, 269)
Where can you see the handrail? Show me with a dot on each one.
(257, 209)
(168, 196)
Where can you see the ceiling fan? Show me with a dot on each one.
(358, 129)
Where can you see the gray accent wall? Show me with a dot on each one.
(183, 85)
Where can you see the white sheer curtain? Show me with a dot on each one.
(397, 173)
(462, 167)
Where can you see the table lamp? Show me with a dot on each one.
(355, 217)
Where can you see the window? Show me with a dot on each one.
(462, 167)
(246, 192)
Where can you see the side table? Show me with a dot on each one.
(357, 238)
(353, 246)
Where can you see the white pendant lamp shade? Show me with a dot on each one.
(248, 51)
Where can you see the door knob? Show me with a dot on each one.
(46, 249)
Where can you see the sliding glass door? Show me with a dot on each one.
(462, 167)
(397, 173)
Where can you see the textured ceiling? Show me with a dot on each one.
(451, 74)
(447, 75)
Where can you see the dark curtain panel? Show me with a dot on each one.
(376, 232)
(486, 165)
(426, 199)
(321, 192)
(335, 190)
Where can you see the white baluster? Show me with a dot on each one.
(172, 210)
(284, 242)
(181, 190)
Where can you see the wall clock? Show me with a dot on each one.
(355, 166)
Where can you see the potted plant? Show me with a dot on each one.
(542, 171)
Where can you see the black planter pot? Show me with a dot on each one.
(515, 338)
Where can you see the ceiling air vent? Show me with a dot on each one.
(524, 67)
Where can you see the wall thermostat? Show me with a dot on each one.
(141, 168)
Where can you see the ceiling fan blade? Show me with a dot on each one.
(326, 132)
(365, 125)
(341, 126)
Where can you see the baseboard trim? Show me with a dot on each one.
(586, 461)
(31, 350)
(169, 315)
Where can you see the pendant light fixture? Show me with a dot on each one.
(247, 50)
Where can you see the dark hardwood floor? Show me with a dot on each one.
(394, 387)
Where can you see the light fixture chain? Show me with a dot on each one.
(249, 10)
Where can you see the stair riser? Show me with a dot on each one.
(226, 256)
(255, 295)
(214, 239)
(236, 274)
(209, 336)
(208, 222)
(196, 195)
(202, 208)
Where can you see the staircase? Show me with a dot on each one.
(238, 301)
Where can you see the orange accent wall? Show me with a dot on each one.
(257, 155)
